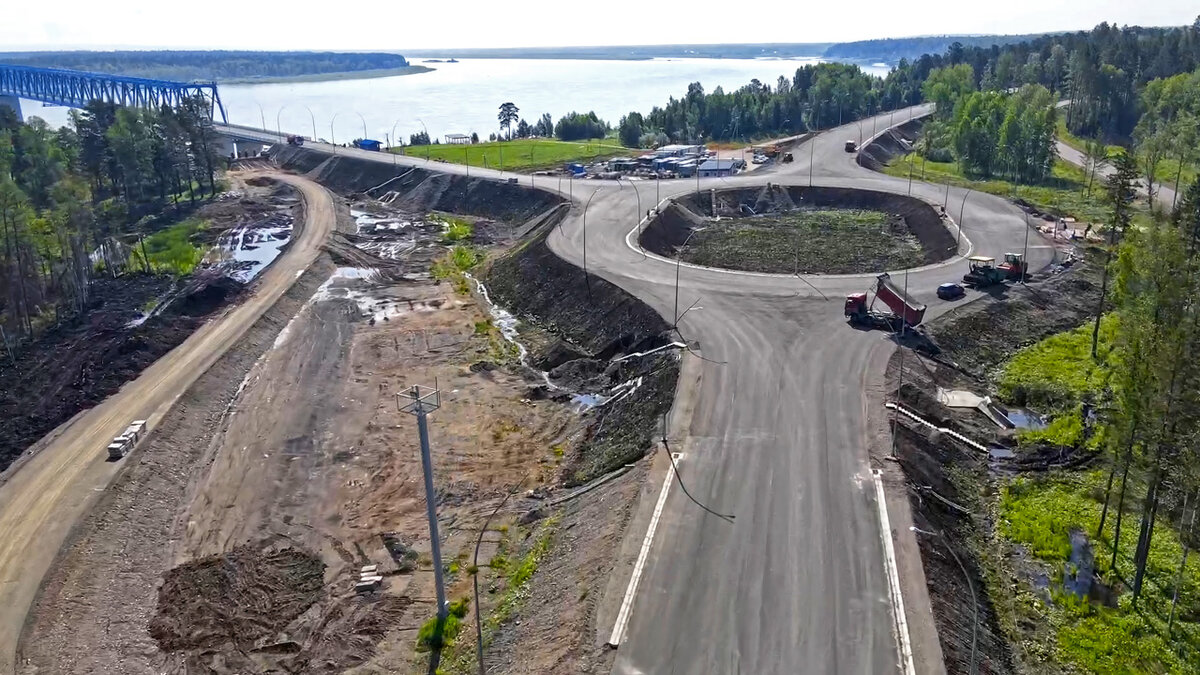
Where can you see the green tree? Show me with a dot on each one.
(630, 130)
(509, 113)
(945, 86)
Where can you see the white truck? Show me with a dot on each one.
(121, 445)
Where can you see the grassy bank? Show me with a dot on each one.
(1038, 517)
(171, 250)
(823, 241)
(527, 154)
(1064, 193)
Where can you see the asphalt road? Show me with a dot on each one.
(779, 438)
(44, 495)
(796, 583)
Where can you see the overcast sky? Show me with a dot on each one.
(397, 26)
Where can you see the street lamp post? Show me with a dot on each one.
(428, 140)
(312, 118)
(678, 259)
(961, 208)
(262, 117)
(639, 211)
(278, 128)
(364, 123)
(332, 136)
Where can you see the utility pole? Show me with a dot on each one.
(1025, 252)
(421, 403)
(961, 208)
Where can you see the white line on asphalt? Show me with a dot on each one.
(618, 632)
(889, 558)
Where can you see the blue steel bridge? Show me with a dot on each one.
(76, 88)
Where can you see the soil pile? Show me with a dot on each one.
(894, 142)
(239, 596)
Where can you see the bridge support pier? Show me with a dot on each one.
(14, 103)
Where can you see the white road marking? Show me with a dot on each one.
(618, 632)
(903, 641)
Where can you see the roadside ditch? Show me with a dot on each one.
(953, 488)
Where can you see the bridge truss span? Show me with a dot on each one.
(77, 88)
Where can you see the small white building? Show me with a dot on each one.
(679, 151)
(458, 139)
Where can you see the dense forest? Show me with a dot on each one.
(68, 196)
(207, 65)
(891, 50)
(1101, 72)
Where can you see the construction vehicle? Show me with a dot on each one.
(985, 272)
(904, 310)
(1014, 267)
(295, 140)
(787, 157)
(121, 445)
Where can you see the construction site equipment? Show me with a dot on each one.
(904, 310)
(983, 272)
(1014, 266)
(121, 445)
(295, 140)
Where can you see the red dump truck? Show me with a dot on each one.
(904, 310)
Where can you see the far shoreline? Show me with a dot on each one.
(328, 77)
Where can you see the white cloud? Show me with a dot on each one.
(391, 26)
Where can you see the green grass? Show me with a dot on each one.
(456, 229)
(527, 154)
(827, 241)
(427, 635)
(1058, 372)
(1041, 514)
(452, 266)
(1074, 141)
(1063, 193)
(171, 250)
(1064, 431)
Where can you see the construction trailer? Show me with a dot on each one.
(903, 309)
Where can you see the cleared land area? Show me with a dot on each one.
(806, 242)
(59, 483)
(526, 154)
(232, 541)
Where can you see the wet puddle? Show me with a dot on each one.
(246, 250)
(1024, 419)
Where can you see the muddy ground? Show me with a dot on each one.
(75, 365)
(950, 485)
(233, 545)
(748, 220)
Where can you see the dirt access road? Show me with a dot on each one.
(44, 494)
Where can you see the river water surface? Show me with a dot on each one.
(464, 97)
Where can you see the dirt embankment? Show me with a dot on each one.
(418, 189)
(950, 485)
(594, 321)
(667, 232)
(894, 142)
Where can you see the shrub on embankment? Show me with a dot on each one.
(418, 188)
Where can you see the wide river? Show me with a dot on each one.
(464, 97)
